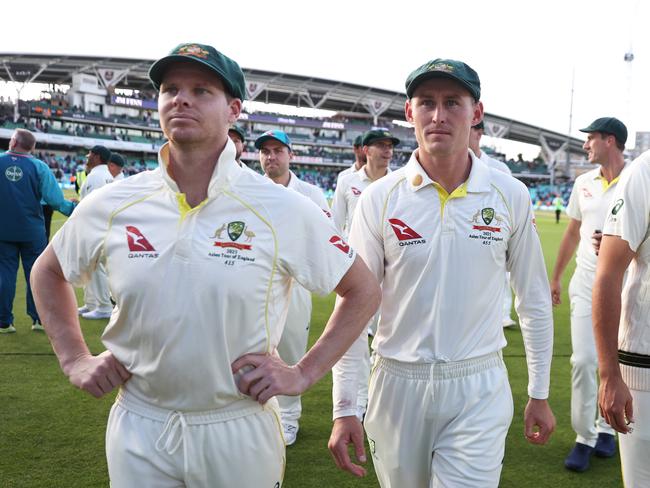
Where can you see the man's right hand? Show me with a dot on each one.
(556, 292)
(98, 375)
(346, 431)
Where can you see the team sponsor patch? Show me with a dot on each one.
(405, 234)
(355, 191)
(230, 250)
(139, 246)
(339, 243)
(585, 192)
(14, 173)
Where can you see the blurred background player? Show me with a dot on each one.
(97, 298)
(589, 202)
(276, 153)
(377, 148)
(24, 182)
(558, 206)
(238, 137)
(624, 355)
(116, 165)
(359, 158)
(475, 135)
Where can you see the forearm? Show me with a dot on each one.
(57, 307)
(606, 315)
(567, 249)
(345, 378)
(351, 314)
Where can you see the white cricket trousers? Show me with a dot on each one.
(293, 344)
(97, 294)
(439, 425)
(150, 447)
(635, 447)
(585, 416)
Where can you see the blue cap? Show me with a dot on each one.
(278, 135)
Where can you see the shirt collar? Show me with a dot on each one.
(477, 182)
(293, 180)
(225, 171)
(363, 176)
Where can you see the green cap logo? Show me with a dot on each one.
(487, 214)
(617, 207)
(447, 68)
(235, 229)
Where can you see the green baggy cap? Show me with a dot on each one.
(445, 68)
(228, 70)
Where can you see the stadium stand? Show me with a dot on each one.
(78, 109)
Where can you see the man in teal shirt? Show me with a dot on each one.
(24, 181)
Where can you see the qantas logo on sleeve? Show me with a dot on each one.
(405, 234)
(139, 246)
(355, 191)
(341, 244)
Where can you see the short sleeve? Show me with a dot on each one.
(78, 244)
(629, 215)
(311, 249)
(573, 209)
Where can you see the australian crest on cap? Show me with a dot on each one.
(448, 68)
(193, 50)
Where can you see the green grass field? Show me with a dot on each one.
(52, 435)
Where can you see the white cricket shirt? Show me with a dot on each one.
(98, 177)
(196, 288)
(629, 218)
(590, 199)
(346, 196)
(441, 259)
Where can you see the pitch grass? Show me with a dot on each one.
(52, 435)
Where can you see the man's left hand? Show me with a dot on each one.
(264, 376)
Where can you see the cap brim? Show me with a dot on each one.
(394, 140)
(157, 70)
(437, 74)
(262, 139)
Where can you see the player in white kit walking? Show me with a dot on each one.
(97, 296)
(276, 153)
(624, 350)
(439, 234)
(200, 256)
(475, 135)
(589, 202)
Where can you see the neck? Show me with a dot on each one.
(358, 165)
(612, 168)
(449, 171)
(477, 152)
(373, 172)
(282, 179)
(192, 168)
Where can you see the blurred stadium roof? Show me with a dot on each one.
(348, 99)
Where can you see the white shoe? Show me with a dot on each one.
(83, 310)
(290, 432)
(508, 322)
(96, 315)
